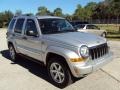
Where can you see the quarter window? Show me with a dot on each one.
(11, 24)
(19, 25)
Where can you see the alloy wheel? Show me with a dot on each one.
(57, 72)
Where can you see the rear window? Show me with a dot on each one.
(80, 26)
(19, 25)
(11, 24)
(92, 27)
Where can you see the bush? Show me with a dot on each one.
(1, 24)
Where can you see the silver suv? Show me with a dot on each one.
(53, 41)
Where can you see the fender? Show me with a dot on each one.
(13, 43)
(67, 54)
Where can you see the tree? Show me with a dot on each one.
(18, 12)
(58, 12)
(43, 11)
(7, 16)
(1, 20)
(89, 9)
(29, 14)
(79, 13)
(107, 9)
(115, 4)
(68, 17)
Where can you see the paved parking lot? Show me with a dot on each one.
(27, 75)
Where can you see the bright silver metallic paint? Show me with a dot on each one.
(64, 44)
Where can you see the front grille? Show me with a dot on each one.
(98, 51)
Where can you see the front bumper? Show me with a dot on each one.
(95, 65)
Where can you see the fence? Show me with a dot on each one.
(103, 21)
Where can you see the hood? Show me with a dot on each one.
(76, 38)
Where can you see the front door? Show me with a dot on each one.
(32, 44)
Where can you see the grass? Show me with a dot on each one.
(114, 39)
(113, 30)
(109, 27)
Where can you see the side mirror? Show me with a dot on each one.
(31, 33)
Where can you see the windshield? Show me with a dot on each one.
(52, 26)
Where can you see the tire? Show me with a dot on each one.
(59, 72)
(103, 35)
(13, 55)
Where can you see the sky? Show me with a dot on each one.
(30, 6)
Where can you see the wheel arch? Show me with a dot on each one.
(62, 53)
(10, 43)
(51, 54)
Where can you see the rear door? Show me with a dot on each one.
(18, 33)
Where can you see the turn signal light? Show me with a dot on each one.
(77, 59)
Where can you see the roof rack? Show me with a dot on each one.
(23, 15)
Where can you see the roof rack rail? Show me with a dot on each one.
(27, 14)
(23, 15)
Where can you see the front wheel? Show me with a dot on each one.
(59, 73)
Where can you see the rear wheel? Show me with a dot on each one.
(13, 55)
(59, 72)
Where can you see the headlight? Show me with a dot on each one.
(84, 51)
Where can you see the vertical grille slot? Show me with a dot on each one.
(98, 51)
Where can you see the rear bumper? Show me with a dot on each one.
(98, 63)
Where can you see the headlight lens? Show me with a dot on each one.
(84, 51)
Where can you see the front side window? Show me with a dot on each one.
(30, 25)
(19, 25)
(52, 26)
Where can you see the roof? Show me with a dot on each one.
(40, 17)
(43, 17)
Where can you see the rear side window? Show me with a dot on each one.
(11, 24)
(19, 25)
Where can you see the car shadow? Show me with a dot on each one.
(35, 68)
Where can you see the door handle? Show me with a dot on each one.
(25, 38)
